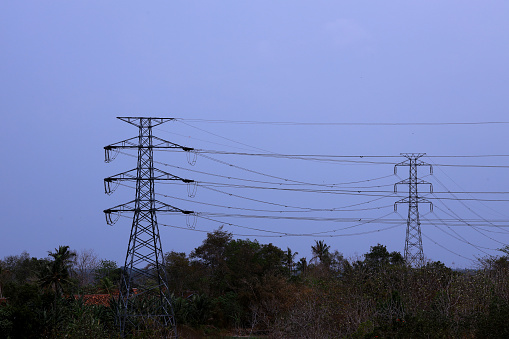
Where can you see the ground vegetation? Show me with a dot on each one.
(240, 287)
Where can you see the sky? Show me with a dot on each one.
(68, 69)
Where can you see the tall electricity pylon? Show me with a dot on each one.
(414, 254)
(144, 301)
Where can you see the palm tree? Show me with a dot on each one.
(321, 251)
(302, 265)
(289, 259)
(107, 285)
(56, 273)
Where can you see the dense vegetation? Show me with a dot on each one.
(242, 287)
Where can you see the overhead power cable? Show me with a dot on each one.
(470, 225)
(286, 182)
(445, 248)
(371, 193)
(293, 206)
(339, 156)
(309, 210)
(328, 158)
(253, 122)
(453, 222)
(272, 235)
(252, 171)
(208, 231)
(300, 209)
(207, 141)
(323, 233)
(222, 137)
(464, 204)
(458, 236)
(234, 234)
(353, 190)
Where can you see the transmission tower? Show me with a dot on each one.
(144, 301)
(414, 254)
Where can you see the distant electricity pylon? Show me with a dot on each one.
(144, 301)
(414, 254)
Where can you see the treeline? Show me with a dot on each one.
(242, 287)
(40, 298)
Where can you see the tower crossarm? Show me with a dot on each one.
(417, 182)
(158, 206)
(413, 160)
(161, 143)
(137, 121)
(407, 200)
(134, 143)
(131, 206)
(132, 175)
(164, 207)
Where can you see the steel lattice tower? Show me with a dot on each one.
(414, 254)
(144, 301)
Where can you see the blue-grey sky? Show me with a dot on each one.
(67, 69)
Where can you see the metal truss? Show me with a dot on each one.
(414, 254)
(144, 300)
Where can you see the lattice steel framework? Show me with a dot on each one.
(144, 301)
(414, 254)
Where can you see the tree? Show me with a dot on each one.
(181, 273)
(107, 269)
(290, 259)
(379, 256)
(321, 252)
(338, 263)
(56, 273)
(210, 255)
(302, 265)
(271, 258)
(211, 252)
(22, 268)
(85, 264)
(106, 285)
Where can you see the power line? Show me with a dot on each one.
(333, 159)
(463, 203)
(288, 182)
(282, 155)
(252, 171)
(222, 137)
(472, 226)
(452, 222)
(208, 231)
(300, 208)
(459, 237)
(445, 248)
(207, 141)
(353, 191)
(252, 122)
(323, 233)
(309, 210)
(464, 190)
(291, 206)
(278, 236)
(323, 185)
